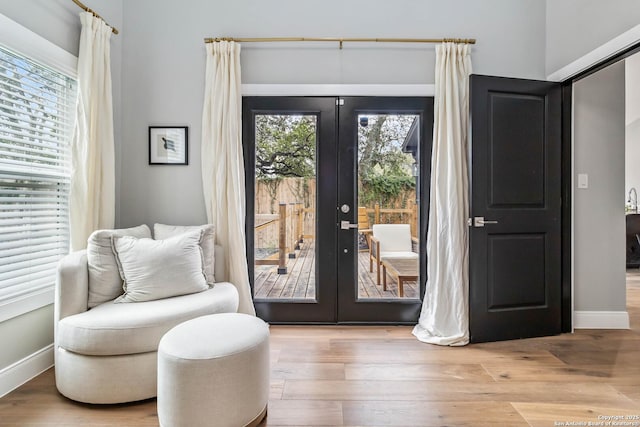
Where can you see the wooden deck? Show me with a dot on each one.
(300, 283)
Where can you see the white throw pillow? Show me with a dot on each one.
(207, 243)
(105, 283)
(156, 269)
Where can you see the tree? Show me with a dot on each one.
(285, 146)
(384, 170)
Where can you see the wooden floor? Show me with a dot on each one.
(300, 280)
(382, 376)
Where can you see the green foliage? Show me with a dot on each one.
(384, 189)
(285, 146)
(384, 170)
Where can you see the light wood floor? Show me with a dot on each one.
(300, 280)
(382, 376)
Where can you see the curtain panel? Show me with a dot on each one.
(92, 192)
(223, 164)
(444, 318)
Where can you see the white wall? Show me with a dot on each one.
(599, 222)
(58, 22)
(576, 27)
(164, 57)
(632, 122)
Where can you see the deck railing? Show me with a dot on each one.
(286, 228)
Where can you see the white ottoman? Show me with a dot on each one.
(214, 371)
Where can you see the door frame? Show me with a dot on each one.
(567, 177)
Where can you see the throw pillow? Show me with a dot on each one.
(207, 243)
(156, 269)
(105, 283)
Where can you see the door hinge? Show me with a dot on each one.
(339, 101)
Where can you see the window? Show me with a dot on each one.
(36, 120)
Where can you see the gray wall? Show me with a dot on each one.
(599, 222)
(576, 27)
(58, 22)
(632, 121)
(164, 57)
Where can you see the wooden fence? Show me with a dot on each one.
(285, 214)
(409, 215)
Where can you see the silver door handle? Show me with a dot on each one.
(346, 225)
(479, 221)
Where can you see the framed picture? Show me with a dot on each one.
(168, 145)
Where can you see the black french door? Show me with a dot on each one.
(325, 177)
(356, 304)
(270, 124)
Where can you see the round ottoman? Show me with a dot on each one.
(214, 371)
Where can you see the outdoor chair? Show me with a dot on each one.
(390, 241)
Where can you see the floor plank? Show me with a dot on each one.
(449, 391)
(416, 372)
(394, 413)
(304, 413)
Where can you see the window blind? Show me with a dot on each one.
(36, 119)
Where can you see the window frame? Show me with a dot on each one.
(23, 41)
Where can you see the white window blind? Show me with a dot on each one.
(36, 118)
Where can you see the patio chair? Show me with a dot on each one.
(390, 241)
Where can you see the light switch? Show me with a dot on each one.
(583, 180)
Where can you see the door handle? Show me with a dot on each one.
(479, 221)
(346, 225)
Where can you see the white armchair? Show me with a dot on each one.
(390, 241)
(108, 354)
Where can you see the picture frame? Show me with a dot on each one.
(168, 145)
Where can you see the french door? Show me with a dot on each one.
(337, 200)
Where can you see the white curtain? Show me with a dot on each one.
(92, 193)
(444, 319)
(223, 164)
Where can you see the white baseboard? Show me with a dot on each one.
(601, 320)
(13, 376)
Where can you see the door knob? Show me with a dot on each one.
(346, 225)
(479, 221)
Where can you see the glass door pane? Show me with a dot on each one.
(388, 206)
(285, 207)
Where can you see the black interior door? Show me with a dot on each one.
(515, 235)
